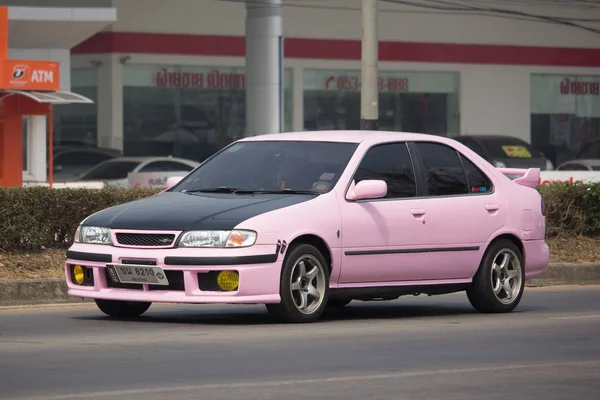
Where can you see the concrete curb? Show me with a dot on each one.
(54, 291)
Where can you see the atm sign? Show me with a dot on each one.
(30, 75)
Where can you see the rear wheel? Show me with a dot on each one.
(304, 286)
(499, 283)
(122, 309)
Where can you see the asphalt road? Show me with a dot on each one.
(412, 348)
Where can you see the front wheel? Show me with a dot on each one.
(304, 286)
(122, 309)
(499, 283)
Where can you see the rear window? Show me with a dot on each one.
(509, 148)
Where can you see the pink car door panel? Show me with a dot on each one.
(462, 210)
(380, 236)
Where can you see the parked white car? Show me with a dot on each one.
(580, 165)
(115, 172)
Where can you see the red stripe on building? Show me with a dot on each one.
(330, 49)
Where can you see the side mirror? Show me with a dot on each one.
(172, 181)
(367, 189)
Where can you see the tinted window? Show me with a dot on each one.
(443, 170)
(509, 147)
(595, 167)
(273, 166)
(165, 166)
(390, 163)
(478, 182)
(111, 170)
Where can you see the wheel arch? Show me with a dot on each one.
(514, 239)
(317, 242)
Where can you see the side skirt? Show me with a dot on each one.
(376, 293)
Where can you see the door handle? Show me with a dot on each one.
(417, 212)
(492, 207)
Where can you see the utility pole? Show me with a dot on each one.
(369, 91)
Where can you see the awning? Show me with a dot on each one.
(52, 97)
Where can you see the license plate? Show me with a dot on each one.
(141, 274)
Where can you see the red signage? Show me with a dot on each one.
(568, 87)
(200, 80)
(352, 84)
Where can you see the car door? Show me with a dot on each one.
(379, 236)
(462, 210)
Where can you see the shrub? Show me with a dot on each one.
(572, 208)
(36, 216)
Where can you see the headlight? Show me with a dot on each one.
(217, 239)
(499, 164)
(549, 166)
(93, 235)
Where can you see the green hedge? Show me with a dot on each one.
(31, 218)
(37, 216)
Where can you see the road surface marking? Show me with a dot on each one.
(577, 317)
(335, 379)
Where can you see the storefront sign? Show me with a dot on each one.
(387, 81)
(347, 83)
(549, 177)
(578, 87)
(154, 180)
(214, 79)
(29, 75)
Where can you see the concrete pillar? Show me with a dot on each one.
(37, 151)
(110, 102)
(264, 67)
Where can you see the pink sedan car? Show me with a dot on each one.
(308, 220)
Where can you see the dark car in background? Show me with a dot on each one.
(70, 162)
(506, 151)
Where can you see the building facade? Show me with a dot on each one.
(168, 76)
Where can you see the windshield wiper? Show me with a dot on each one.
(222, 189)
(286, 191)
(225, 189)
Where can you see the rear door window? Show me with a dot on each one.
(443, 171)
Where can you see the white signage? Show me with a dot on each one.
(549, 177)
(151, 180)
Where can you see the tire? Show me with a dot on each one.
(491, 275)
(337, 303)
(298, 304)
(122, 309)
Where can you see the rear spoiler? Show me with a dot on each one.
(529, 177)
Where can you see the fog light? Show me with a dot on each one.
(78, 274)
(228, 280)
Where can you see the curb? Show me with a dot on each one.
(54, 291)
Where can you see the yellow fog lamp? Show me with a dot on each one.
(78, 274)
(228, 280)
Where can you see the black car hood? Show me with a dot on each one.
(179, 211)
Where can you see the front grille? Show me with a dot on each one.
(145, 239)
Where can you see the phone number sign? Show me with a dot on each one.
(346, 83)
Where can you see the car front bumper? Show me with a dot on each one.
(191, 274)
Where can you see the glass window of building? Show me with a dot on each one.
(75, 124)
(186, 111)
(425, 102)
(565, 116)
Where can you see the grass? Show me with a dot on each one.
(50, 263)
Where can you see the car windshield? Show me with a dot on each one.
(272, 166)
(509, 148)
(595, 167)
(110, 170)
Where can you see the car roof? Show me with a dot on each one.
(489, 137)
(348, 136)
(588, 162)
(150, 158)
